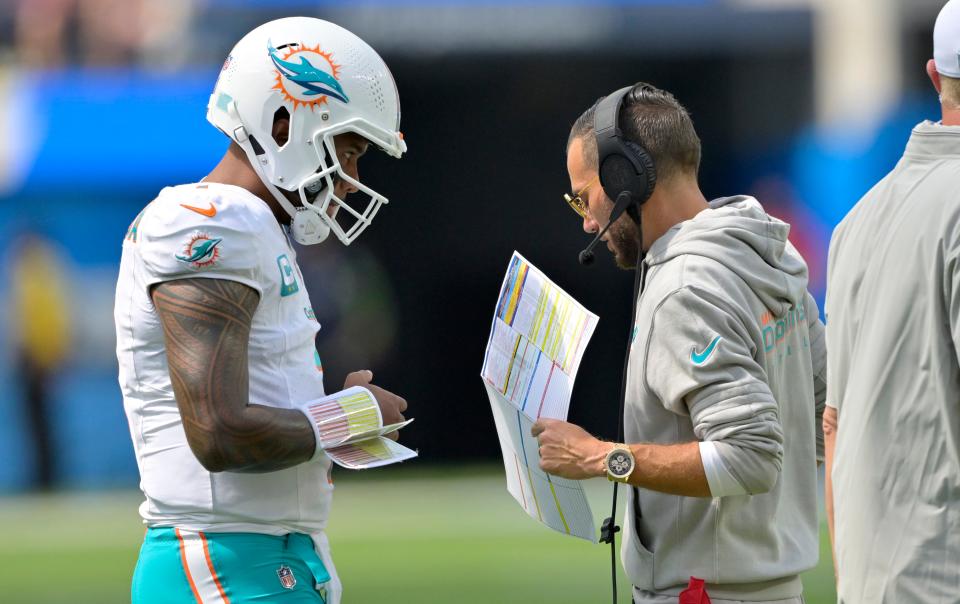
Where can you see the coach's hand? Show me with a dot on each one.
(391, 405)
(568, 451)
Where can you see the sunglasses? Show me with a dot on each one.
(576, 201)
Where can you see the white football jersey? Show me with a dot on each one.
(218, 231)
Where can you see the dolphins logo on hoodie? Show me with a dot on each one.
(306, 75)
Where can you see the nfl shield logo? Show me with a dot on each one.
(286, 577)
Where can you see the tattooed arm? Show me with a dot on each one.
(206, 325)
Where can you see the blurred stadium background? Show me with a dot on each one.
(803, 103)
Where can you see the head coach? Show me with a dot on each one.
(725, 378)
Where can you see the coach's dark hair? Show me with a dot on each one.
(654, 119)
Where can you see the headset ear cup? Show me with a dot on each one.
(646, 172)
(618, 174)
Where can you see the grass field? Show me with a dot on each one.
(400, 536)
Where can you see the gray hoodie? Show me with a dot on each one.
(729, 349)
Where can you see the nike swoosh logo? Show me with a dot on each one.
(208, 212)
(699, 357)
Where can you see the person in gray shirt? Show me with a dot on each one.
(726, 377)
(893, 331)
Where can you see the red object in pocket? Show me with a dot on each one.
(695, 593)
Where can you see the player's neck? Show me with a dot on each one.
(234, 169)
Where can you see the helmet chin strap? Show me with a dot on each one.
(306, 226)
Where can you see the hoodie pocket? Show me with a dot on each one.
(638, 562)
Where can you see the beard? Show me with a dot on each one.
(624, 244)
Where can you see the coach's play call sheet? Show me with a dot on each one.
(537, 340)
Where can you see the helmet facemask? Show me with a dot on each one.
(318, 194)
(322, 210)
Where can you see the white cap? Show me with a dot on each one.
(946, 40)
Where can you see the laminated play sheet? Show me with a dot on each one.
(352, 431)
(537, 341)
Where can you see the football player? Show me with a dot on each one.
(215, 331)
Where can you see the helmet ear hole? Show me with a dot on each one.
(257, 148)
(281, 127)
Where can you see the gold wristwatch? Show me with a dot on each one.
(619, 463)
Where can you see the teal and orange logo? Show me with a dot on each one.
(201, 251)
(776, 330)
(306, 75)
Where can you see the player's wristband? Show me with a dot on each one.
(338, 416)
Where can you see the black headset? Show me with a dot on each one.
(624, 166)
(627, 172)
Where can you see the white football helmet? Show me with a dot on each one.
(330, 82)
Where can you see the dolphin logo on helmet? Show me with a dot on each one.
(315, 81)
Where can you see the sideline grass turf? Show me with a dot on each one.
(409, 535)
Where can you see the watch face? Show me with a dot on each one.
(619, 464)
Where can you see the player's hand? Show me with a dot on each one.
(391, 405)
(569, 451)
(358, 378)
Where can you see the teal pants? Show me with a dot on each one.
(183, 567)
